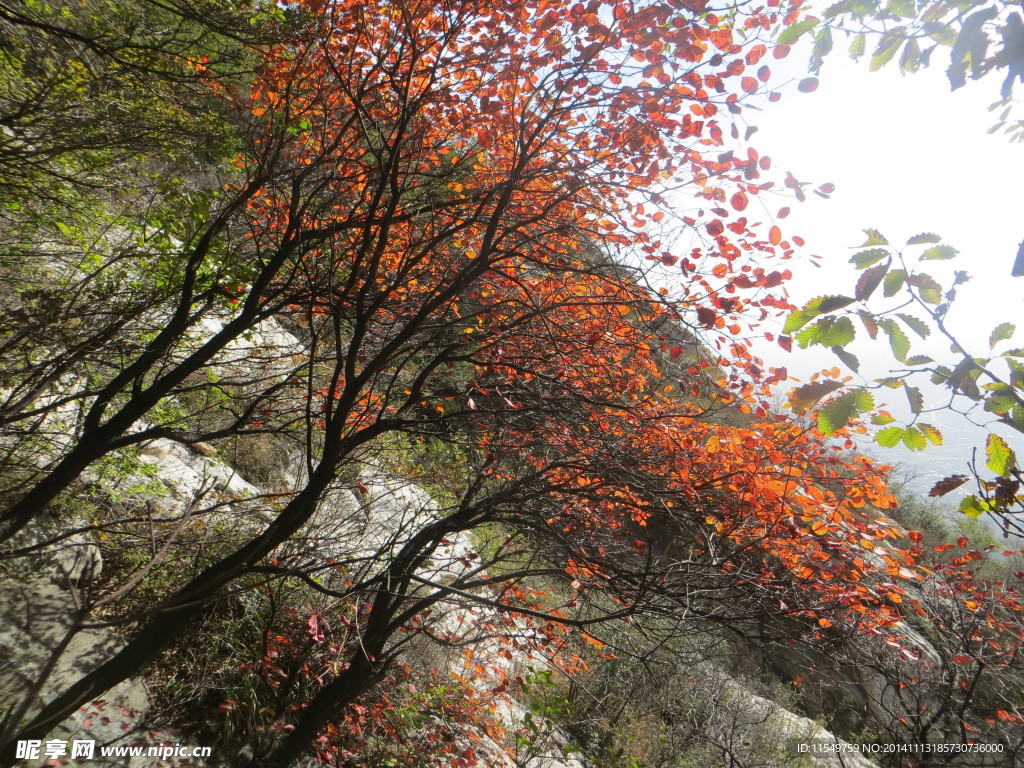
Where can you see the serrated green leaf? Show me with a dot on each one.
(849, 359)
(867, 258)
(939, 253)
(914, 397)
(893, 281)
(971, 506)
(827, 332)
(901, 8)
(928, 288)
(918, 360)
(1001, 332)
(890, 437)
(882, 419)
(910, 59)
(837, 414)
(917, 325)
(826, 304)
(887, 47)
(819, 305)
(999, 457)
(914, 439)
(924, 238)
(822, 47)
(796, 320)
(1000, 404)
(898, 341)
(791, 33)
(874, 238)
(934, 436)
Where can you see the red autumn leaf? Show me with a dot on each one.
(706, 317)
(808, 85)
(947, 484)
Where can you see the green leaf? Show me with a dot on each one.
(924, 238)
(890, 437)
(972, 506)
(869, 281)
(914, 439)
(928, 288)
(827, 332)
(939, 253)
(822, 47)
(1001, 332)
(817, 306)
(918, 360)
(797, 320)
(910, 59)
(826, 304)
(893, 282)
(858, 46)
(837, 414)
(887, 47)
(999, 457)
(868, 257)
(898, 340)
(917, 325)
(849, 359)
(874, 238)
(881, 420)
(933, 435)
(793, 31)
(914, 397)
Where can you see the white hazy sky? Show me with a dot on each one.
(907, 155)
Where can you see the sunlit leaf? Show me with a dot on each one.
(914, 439)
(791, 33)
(924, 238)
(1001, 332)
(868, 257)
(887, 47)
(874, 238)
(827, 332)
(934, 436)
(858, 46)
(890, 437)
(972, 506)
(898, 341)
(893, 281)
(999, 457)
(939, 253)
(849, 405)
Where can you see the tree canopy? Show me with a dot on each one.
(463, 222)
